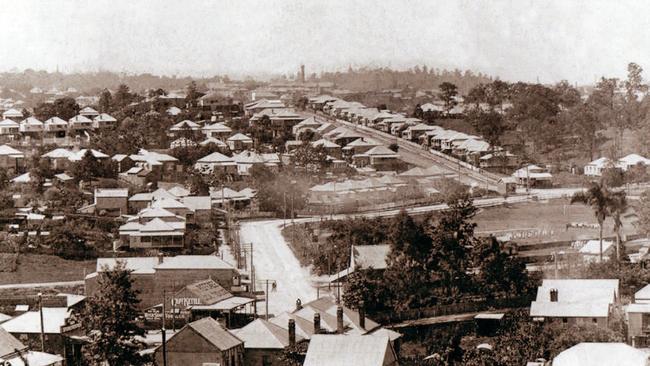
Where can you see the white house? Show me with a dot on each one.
(595, 168)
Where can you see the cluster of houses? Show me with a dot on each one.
(596, 167)
(471, 148)
(55, 130)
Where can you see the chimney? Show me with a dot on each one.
(160, 258)
(553, 293)
(339, 320)
(316, 323)
(292, 332)
(298, 304)
(362, 315)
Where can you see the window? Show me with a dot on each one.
(565, 320)
(594, 320)
(266, 360)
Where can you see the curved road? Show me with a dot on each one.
(274, 259)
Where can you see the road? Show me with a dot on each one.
(274, 259)
(415, 154)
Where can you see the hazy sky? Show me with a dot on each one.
(515, 40)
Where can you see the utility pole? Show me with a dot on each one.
(173, 308)
(40, 310)
(266, 301)
(253, 283)
(164, 336)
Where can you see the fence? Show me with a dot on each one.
(393, 317)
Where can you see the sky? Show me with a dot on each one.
(525, 40)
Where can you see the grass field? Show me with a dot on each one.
(33, 268)
(551, 216)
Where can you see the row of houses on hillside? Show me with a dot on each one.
(596, 167)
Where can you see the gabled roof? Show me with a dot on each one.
(264, 334)
(167, 203)
(179, 191)
(31, 121)
(104, 117)
(198, 202)
(248, 157)
(219, 127)
(208, 291)
(213, 140)
(240, 137)
(156, 225)
(56, 121)
(8, 123)
(186, 124)
(216, 157)
(380, 150)
(79, 119)
(9, 344)
(88, 111)
(325, 143)
(214, 333)
(111, 192)
(12, 113)
(8, 150)
(345, 350)
(633, 159)
(30, 322)
(602, 354)
(152, 212)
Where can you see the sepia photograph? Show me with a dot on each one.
(324, 183)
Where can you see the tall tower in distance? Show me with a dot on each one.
(302, 74)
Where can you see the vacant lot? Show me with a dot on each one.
(33, 268)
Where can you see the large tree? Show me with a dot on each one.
(599, 198)
(109, 320)
(448, 93)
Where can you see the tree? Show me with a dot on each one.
(583, 121)
(313, 159)
(393, 146)
(123, 96)
(643, 212)
(105, 101)
(617, 207)
(448, 93)
(193, 93)
(64, 108)
(498, 271)
(109, 320)
(599, 198)
(612, 177)
(87, 168)
(488, 124)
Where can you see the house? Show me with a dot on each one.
(154, 227)
(160, 164)
(14, 353)
(174, 206)
(575, 301)
(346, 137)
(282, 123)
(104, 120)
(246, 160)
(345, 350)
(185, 128)
(413, 133)
(112, 201)
(55, 127)
(239, 142)
(595, 168)
(499, 159)
(202, 342)
(643, 295)
(200, 205)
(31, 127)
(590, 251)
(533, 176)
(89, 112)
(601, 354)
(638, 324)
(137, 175)
(13, 114)
(216, 162)
(217, 130)
(264, 342)
(359, 146)
(11, 159)
(9, 129)
(379, 158)
(631, 160)
(331, 148)
(78, 125)
(222, 146)
(58, 327)
(259, 105)
(309, 124)
(154, 275)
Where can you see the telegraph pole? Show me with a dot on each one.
(40, 310)
(164, 336)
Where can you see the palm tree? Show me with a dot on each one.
(618, 205)
(599, 198)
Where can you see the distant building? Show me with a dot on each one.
(576, 301)
(155, 275)
(203, 342)
(112, 201)
(344, 350)
(264, 342)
